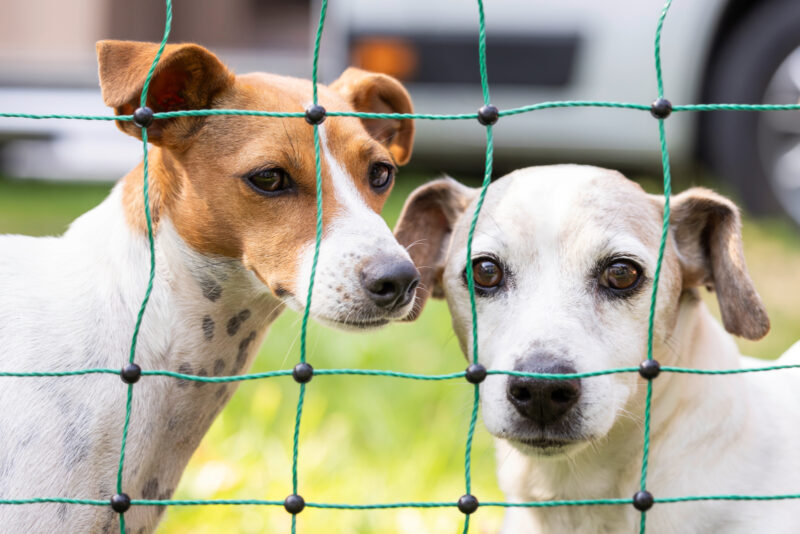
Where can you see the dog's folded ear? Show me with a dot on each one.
(425, 228)
(708, 234)
(187, 77)
(369, 92)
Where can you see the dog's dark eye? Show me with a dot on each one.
(487, 273)
(621, 275)
(270, 181)
(380, 176)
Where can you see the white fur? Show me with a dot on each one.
(711, 435)
(70, 303)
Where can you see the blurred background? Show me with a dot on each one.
(372, 440)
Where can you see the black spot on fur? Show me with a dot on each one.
(150, 489)
(211, 289)
(221, 391)
(236, 321)
(244, 347)
(201, 372)
(61, 511)
(111, 520)
(173, 423)
(208, 328)
(77, 442)
(185, 369)
(163, 496)
(219, 367)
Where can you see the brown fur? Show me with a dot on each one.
(198, 164)
(379, 93)
(425, 227)
(708, 235)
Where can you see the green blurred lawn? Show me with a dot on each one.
(364, 439)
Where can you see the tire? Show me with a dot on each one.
(752, 150)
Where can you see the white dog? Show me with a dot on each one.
(564, 259)
(233, 202)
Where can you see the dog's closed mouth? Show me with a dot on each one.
(549, 445)
(373, 323)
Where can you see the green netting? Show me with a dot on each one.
(387, 373)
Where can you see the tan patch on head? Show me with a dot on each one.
(199, 166)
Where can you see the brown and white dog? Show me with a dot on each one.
(233, 203)
(564, 260)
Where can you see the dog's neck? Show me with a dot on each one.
(207, 316)
(611, 466)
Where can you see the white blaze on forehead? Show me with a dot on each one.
(355, 209)
(548, 196)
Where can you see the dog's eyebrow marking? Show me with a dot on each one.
(208, 328)
(219, 366)
(211, 289)
(186, 369)
(236, 321)
(244, 346)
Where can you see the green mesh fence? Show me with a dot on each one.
(642, 500)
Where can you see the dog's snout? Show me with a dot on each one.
(390, 282)
(543, 401)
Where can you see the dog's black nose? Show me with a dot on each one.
(390, 282)
(543, 401)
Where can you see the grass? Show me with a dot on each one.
(364, 439)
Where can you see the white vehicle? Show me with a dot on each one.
(713, 51)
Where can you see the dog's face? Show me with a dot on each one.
(564, 259)
(245, 187)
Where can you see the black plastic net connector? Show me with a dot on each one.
(315, 114)
(467, 504)
(143, 117)
(643, 500)
(131, 373)
(294, 504)
(476, 373)
(661, 108)
(488, 115)
(302, 373)
(649, 369)
(120, 503)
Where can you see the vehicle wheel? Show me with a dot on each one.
(759, 152)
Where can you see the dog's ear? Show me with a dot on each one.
(708, 234)
(369, 92)
(187, 77)
(425, 228)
